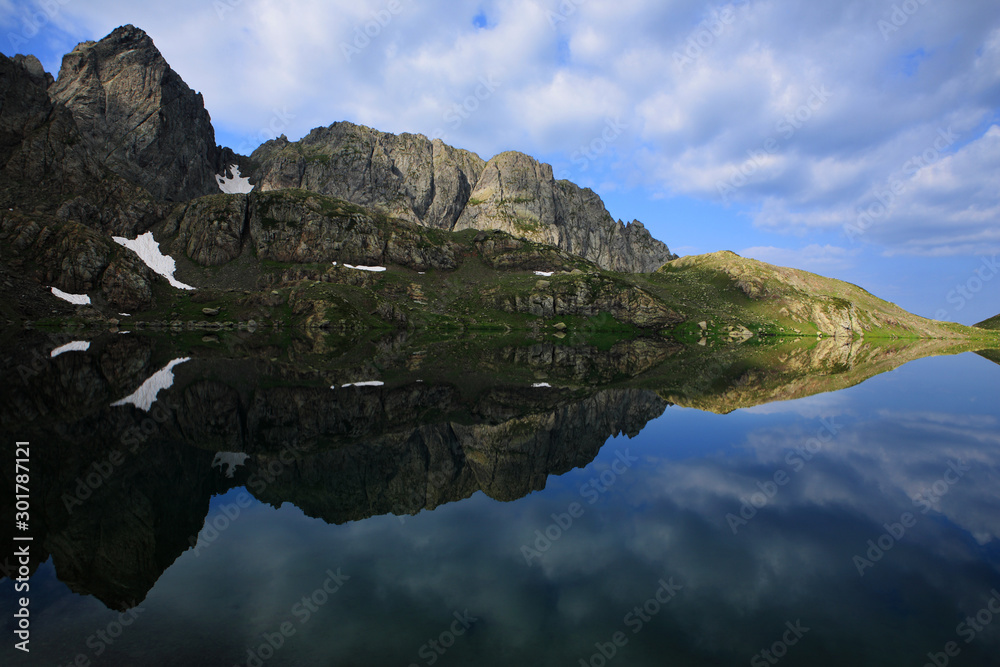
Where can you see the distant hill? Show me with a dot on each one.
(992, 323)
(120, 147)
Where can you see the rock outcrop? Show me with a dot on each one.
(76, 259)
(301, 228)
(139, 117)
(429, 183)
(587, 296)
(407, 176)
(519, 195)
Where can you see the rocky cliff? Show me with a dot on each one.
(429, 183)
(407, 176)
(139, 117)
(519, 195)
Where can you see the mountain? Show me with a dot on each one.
(120, 147)
(123, 492)
(139, 117)
(992, 323)
(793, 301)
(429, 183)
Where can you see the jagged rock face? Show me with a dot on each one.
(404, 473)
(515, 194)
(24, 102)
(408, 176)
(76, 259)
(432, 184)
(41, 152)
(519, 195)
(139, 117)
(302, 229)
(47, 166)
(211, 230)
(313, 231)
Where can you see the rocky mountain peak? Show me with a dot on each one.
(138, 115)
(520, 196)
(430, 183)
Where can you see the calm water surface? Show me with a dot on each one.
(856, 527)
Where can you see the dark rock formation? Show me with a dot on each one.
(587, 296)
(519, 195)
(139, 117)
(302, 228)
(75, 259)
(427, 182)
(408, 176)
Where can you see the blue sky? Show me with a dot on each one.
(857, 139)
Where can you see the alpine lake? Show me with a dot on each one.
(581, 500)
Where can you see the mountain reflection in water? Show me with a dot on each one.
(774, 514)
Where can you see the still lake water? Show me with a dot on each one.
(853, 527)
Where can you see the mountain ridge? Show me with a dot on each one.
(120, 146)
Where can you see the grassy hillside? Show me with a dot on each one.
(277, 259)
(992, 323)
(723, 289)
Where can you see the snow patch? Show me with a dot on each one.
(373, 269)
(545, 274)
(78, 299)
(149, 252)
(75, 346)
(541, 385)
(229, 462)
(144, 397)
(235, 185)
(375, 383)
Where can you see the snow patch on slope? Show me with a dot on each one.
(78, 299)
(235, 185)
(372, 269)
(144, 397)
(75, 346)
(229, 461)
(149, 252)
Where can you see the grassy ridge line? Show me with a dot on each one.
(992, 323)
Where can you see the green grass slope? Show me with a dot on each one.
(992, 323)
(725, 290)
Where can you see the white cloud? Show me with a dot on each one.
(748, 89)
